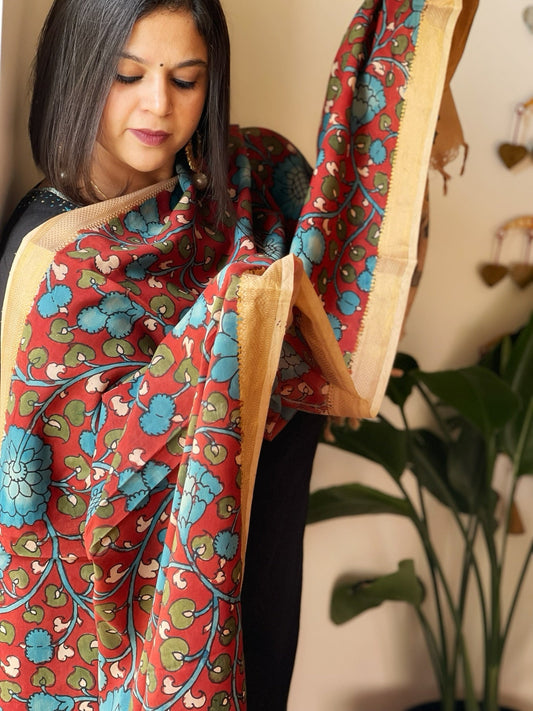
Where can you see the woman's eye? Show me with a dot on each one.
(123, 79)
(181, 84)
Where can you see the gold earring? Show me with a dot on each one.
(199, 178)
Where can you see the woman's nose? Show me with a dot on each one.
(157, 97)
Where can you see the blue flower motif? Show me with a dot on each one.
(195, 316)
(25, 470)
(348, 303)
(290, 363)
(137, 484)
(273, 245)
(199, 490)
(116, 312)
(52, 301)
(138, 268)
(321, 135)
(145, 221)
(102, 676)
(291, 183)
(42, 701)
(156, 420)
(198, 313)
(368, 100)
(310, 246)
(364, 280)
(243, 174)
(225, 348)
(5, 560)
(91, 319)
(336, 326)
(87, 442)
(413, 20)
(135, 385)
(39, 649)
(96, 497)
(226, 544)
(377, 152)
(164, 560)
(116, 700)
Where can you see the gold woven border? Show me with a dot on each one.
(377, 344)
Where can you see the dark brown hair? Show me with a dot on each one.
(74, 69)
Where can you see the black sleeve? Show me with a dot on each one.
(35, 208)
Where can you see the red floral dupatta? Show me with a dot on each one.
(139, 378)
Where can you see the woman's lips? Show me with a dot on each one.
(148, 137)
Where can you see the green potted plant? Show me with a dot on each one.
(479, 414)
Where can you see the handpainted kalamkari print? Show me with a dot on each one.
(160, 347)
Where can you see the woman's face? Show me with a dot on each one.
(154, 105)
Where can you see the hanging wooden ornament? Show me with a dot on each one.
(514, 152)
(493, 272)
(522, 272)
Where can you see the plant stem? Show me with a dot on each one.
(435, 412)
(466, 567)
(493, 648)
(439, 656)
(516, 595)
(434, 651)
(516, 468)
(470, 561)
(436, 589)
(436, 568)
(423, 521)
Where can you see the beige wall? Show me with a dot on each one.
(21, 21)
(281, 57)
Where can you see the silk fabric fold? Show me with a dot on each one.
(146, 351)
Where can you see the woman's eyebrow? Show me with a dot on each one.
(193, 62)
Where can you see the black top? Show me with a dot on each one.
(37, 206)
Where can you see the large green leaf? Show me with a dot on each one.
(353, 500)
(353, 598)
(512, 358)
(376, 440)
(428, 455)
(518, 372)
(477, 393)
(523, 452)
(467, 466)
(497, 356)
(400, 386)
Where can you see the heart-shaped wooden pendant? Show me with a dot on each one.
(528, 17)
(492, 273)
(522, 274)
(512, 153)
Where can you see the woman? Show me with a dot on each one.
(73, 83)
(139, 387)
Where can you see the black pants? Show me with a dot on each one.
(272, 583)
